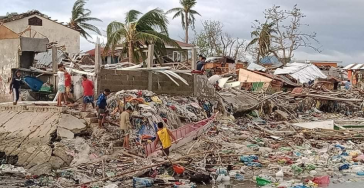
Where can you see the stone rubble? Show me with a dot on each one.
(256, 143)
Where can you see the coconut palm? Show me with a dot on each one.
(80, 19)
(187, 15)
(262, 37)
(137, 31)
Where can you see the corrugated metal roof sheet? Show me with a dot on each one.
(45, 58)
(356, 67)
(349, 66)
(256, 67)
(302, 72)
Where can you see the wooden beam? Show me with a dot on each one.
(150, 55)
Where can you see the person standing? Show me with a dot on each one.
(164, 136)
(88, 92)
(101, 105)
(201, 64)
(348, 85)
(15, 86)
(68, 82)
(61, 85)
(125, 126)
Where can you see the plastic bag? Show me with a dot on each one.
(262, 182)
(324, 180)
(142, 182)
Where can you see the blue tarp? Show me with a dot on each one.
(34, 83)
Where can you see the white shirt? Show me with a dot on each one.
(61, 79)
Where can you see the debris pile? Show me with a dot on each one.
(271, 140)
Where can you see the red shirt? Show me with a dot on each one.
(67, 81)
(88, 88)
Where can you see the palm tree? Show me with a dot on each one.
(80, 19)
(186, 13)
(263, 36)
(150, 28)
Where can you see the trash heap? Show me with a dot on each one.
(259, 145)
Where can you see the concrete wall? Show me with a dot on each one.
(77, 86)
(51, 30)
(117, 80)
(9, 59)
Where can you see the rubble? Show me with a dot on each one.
(273, 140)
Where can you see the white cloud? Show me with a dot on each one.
(337, 22)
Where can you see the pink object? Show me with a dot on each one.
(360, 158)
(183, 132)
(324, 180)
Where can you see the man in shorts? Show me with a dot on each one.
(88, 92)
(164, 136)
(101, 105)
(125, 126)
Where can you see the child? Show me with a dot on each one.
(15, 86)
(125, 126)
(101, 107)
(164, 136)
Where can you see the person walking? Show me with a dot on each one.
(88, 92)
(61, 85)
(101, 105)
(15, 84)
(164, 136)
(125, 126)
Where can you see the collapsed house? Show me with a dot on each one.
(22, 37)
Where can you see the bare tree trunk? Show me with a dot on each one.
(187, 26)
(131, 52)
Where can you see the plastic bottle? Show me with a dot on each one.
(142, 182)
(262, 182)
(310, 167)
(185, 186)
(344, 167)
(296, 169)
(239, 177)
(280, 173)
(225, 178)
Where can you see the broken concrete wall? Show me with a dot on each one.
(202, 87)
(33, 143)
(77, 85)
(8, 59)
(117, 80)
(55, 32)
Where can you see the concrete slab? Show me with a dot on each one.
(65, 133)
(27, 132)
(71, 123)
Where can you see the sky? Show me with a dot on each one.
(339, 24)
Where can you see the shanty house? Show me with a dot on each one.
(34, 24)
(355, 72)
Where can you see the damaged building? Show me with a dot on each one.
(23, 36)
